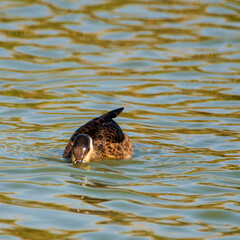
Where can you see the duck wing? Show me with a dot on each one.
(109, 132)
(97, 127)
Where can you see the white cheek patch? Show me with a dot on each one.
(88, 156)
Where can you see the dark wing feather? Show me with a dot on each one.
(110, 133)
(93, 127)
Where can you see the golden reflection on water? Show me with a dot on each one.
(173, 65)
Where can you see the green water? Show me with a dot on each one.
(173, 65)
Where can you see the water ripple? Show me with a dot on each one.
(173, 65)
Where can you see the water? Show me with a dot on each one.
(173, 65)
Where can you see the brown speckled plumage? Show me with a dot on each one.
(108, 139)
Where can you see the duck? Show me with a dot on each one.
(100, 138)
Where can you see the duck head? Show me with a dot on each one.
(82, 149)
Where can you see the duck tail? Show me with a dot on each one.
(112, 114)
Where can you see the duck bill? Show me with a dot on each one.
(78, 161)
(74, 160)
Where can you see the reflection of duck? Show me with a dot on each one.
(98, 139)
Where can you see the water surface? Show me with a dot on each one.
(173, 65)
